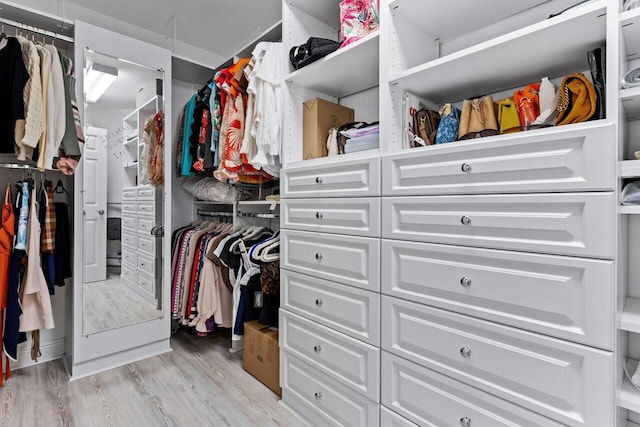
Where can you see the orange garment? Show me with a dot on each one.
(7, 229)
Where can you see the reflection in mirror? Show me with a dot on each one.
(122, 202)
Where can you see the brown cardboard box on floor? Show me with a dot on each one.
(262, 355)
(318, 116)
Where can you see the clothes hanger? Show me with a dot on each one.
(59, 189)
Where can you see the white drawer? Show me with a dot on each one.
(146, 264)
(566, 224)
(145, 224)
(321, 400)
(549, 160)
(128, 207)
(129, 274)
(147, 245)
(129, 255)
(146, 283)
(146, 193)
(345, 359)
(338, 178)
(129, 193)
(391, 419)
(357, 217)
(352, 311)
(344, 259)
(569, 298)
(432, 399)
(567, 382)
(130, 239)
(129, 223)
(147, 208)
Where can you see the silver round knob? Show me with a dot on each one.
(318, 302)
(466, 167)
(465, 281)
(319, 215)
(465, 352)
(465, 220)
(317, 349)
(465, 422)
(318, 395)
(319, 180)
(319, 256)
(101, 211)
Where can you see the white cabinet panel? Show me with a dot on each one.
(146, 193)
(129, 239)
(322, 400)
(567, 382)
(145, 225)
(130, 256)
(147, 245)
(129, 223)
(353, 311)
(338, 178)
(346, 359)
(147, 208)
(553, 160)
(432, 399)
(128, 207)
(129, 193)
(357, 217)
(566, 224)
(570, 298)
(344, 259)
(389, 418)
(146, 264)
(129, 275)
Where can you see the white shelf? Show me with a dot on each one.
(131, 166)
(630, 319)
(629, 397)
(207, 202)
(435, 17)
(345, 71)
(629, 168)
(629, 210)
(630, 23)
(491, 66)
(631, 101)
(271, 34)
(258, 202)
(323, 10)
(324, 161)
(131, 143)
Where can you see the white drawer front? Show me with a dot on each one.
(129, 193)
(344, 259)
(569, 298)
(129, 274)
(146, 193)
(146, 283)
(340, 178)
(129, 255)
(145, 224)
(322, 400)
(147, 245)
(146, 264)
(339, 356)
(129, 239)
(128, 207)
(432, 399)
(352, 311)
(552, 160)
(147, 207)
(358, 217)
(565, 224)
(567, 382)
(391, 419)
(128, 222)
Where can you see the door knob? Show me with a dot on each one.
(318, 395)
(466, 167)
(319, 256)
(317, 349)
(319, 215)
(465, 422)
(318, 302)
(101, 211)
(465, 220)
(465, 281)
(465, 352)
(319, 180)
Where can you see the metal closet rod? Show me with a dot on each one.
(36, 30)
(21, 166)
(201, 212)
(259, 215)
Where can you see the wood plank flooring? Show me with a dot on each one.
(198, 384)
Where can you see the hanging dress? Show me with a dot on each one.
(7, 229)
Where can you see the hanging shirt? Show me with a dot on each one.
(13, 78)
(29, 130)
(57, 115)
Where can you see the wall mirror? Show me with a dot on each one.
(121, 201)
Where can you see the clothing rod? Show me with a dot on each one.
(259, 215)
(21, 166)
(214, 214)
(36, 30)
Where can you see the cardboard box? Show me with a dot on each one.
(318, 116)
(262, 354)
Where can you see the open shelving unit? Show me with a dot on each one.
(134, 146)
(631, 102)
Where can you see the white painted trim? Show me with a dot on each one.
(51, 350)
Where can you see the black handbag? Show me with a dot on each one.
(314, 49)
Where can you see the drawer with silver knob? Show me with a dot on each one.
(347, 360)
(147, 245)
(570, 383)
(146, 264)
(129, 222)
(353, 216)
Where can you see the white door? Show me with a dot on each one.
(95, 205)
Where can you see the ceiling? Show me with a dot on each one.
(221, 27)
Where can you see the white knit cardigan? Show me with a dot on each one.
(28, 132)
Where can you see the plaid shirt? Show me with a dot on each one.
(49, 229)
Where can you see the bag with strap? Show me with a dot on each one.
(314, 49)
(449, 124)
(508, 118)
(528, 104)
(478, 119)
(425, 125)
(577, 101)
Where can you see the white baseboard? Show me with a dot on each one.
(51, 350)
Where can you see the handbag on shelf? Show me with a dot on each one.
(528, 104)
(358, 18)
(597, 66)
(508, 118)
(425, 125)
(449, 123)
(478, 119)
(548, 97)
(314, 49)
(577, 101)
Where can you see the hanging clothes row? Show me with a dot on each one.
(223, 277)
(34, 258)
(39, 117)
(231, 128)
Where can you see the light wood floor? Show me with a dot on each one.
(110, 304)
(199, 384)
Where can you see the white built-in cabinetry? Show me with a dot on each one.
(487, 278)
